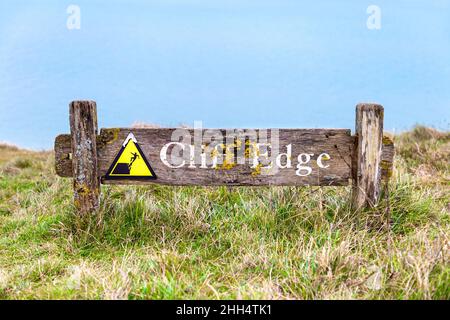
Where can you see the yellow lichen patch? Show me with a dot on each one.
(227, 165)
(108, 136)
(247, 152)
(257, 170)
(228, 162)
(83, 190)
(387, 141)
(251, 149)
(238, 143)
(386, 166)
(214, 152)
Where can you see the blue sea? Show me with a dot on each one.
(228, 63)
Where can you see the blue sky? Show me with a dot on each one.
(244, 63)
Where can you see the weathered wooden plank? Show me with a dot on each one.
(338, 143)
(83, 128)
(368, 155)
(63, 162)
(63, 155)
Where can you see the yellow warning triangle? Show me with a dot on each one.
(130, 163)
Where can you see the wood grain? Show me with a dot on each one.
(83, 127)
(63, 159)
(108, 140)
(338, 143)
(367, 161)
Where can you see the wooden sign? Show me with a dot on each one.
(212, 157)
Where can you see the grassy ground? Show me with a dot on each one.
(284, 243)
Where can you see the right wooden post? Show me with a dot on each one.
(367, 155)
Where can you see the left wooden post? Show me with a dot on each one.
(86, 182)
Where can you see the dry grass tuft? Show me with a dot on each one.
(161, 242)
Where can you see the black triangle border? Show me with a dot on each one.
(108, 177)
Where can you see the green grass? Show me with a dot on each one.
(161, 242)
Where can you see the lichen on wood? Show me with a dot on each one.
(83, 128)
(368, 155)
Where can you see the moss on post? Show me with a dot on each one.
(367, 162)
(83, 128)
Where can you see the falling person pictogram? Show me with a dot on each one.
(130, 163)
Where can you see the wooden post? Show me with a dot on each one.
(83, 129)
(367, 156)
